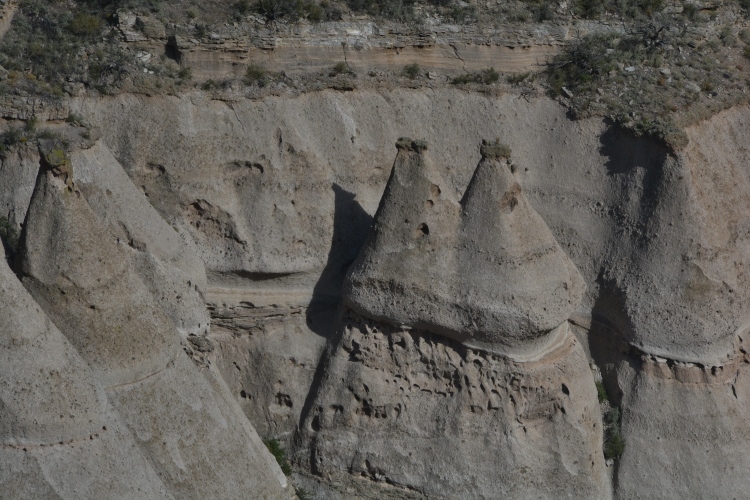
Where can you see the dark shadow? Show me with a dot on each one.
(351, 224)
(637, 165)
(172, 51)
(625, 150)
(608, 342)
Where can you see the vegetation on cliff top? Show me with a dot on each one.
(657, 76)
(661, 67)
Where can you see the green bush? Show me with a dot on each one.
(601, 392)
(630, 9)
(389, 9)
(290, 9)
(85, 25)
(242, 7)
(411, 71)
(255, 75)
(614, 446)
(11, 137)
(341, 68)
(280, 455)
(486, 77)
(518, 78)
(185, 73)
(303, 494)
(31, 124)
(614, 443)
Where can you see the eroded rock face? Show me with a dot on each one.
(660, 239)
(486, 272)
(686, 429)
(193, 434)
(415, 409)
(419, 411)
(59, 437)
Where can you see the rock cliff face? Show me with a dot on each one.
(60, 436)
(416, 410)
(90, 283)
(260, 208)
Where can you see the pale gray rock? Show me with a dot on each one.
(196, 439)
(430, 416)
(172, 271)
(686, 431)
(659, 238)
(59, 438)
(82, 278)
(487, 272)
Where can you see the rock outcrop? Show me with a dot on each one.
(487, 272)
(85, 279)
(59, 436)
(402, 404)
(253, 187)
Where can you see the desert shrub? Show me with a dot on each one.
(11, 136)
(629, 9)
(411, 71)
(255, 75)
(303, 494)
(46, 40)
(331, 12)
(614, 443)
(518, 78)
(280, 455)
(341, 68)
(390, 9)
(185, 73)
(290, 9)
(31, 124)
(85, 25)
(242, 7)
(486, 77)
(47, 134)
(601, 392)
(464, 15)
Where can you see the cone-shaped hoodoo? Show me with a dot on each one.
(487, 272)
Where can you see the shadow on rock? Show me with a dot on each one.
(350, 227)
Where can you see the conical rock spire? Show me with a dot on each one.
(487, 272)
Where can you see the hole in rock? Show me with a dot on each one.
(435, 190)
(423, 229)
(565, 390)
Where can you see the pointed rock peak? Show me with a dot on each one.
(55, 159)
(407, 144)
(513, 274)
(488, 273)
(494, 150)
(84, 280)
